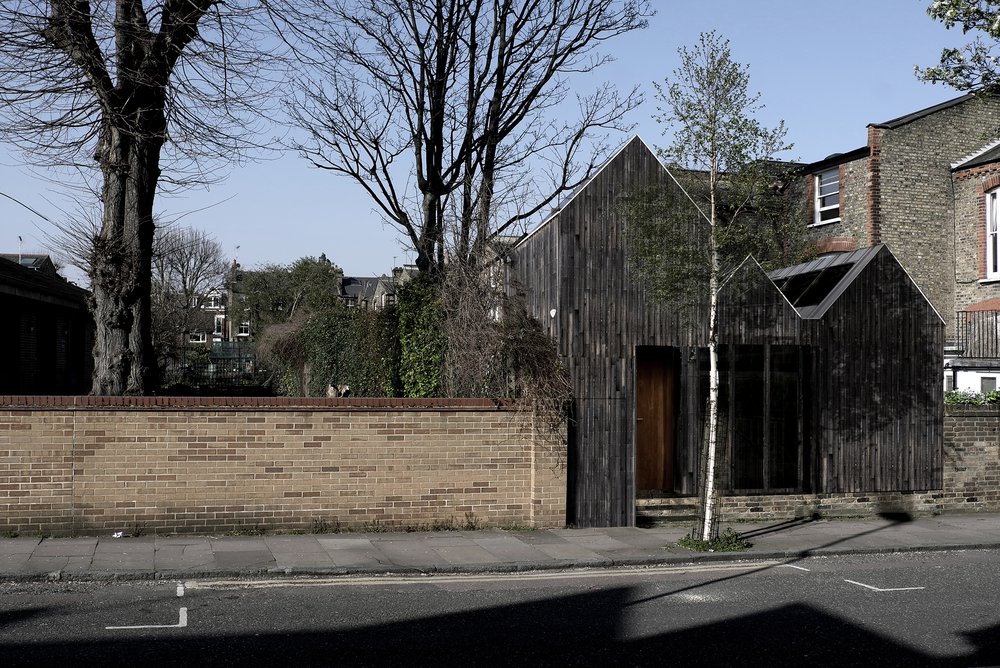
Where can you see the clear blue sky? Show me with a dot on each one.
(827, 69)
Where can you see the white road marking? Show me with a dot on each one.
(181, 623)
(862, 584)
(692, 597)
(180, 590)
(495, 577)
(793, 566)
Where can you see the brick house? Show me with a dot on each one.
(927, 185)
(374, 292)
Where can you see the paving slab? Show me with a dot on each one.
(511, 549)
(304, 562)
(18, 546)
(465, 554)
(568, 551)
(183, 556)
(298, 553)
(238, 544)
(66, 547)
(647, 538)
(55, 564)
(124, 556)
(250, 560)
(597, 542)
(299, 544)
(354, 552)
(543, 537)
(409, 553)
(448, 539)
(15, 564)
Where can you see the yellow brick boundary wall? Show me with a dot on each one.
(971, 480)
(78, 465)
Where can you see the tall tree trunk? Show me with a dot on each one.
(124, 361)
(430, 242)
(713, 373)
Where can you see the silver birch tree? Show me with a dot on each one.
(722, 159)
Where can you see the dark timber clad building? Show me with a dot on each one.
(829, 370)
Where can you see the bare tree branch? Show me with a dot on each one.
(124, 89)
(439, 108)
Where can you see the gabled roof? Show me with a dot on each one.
(917, 115)
(858, 153)
(984, 156)
(813, 287)
(580, 188)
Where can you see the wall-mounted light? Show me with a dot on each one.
(552, 313)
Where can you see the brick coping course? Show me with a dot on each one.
(41, 402)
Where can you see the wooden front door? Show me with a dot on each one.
(654, 418)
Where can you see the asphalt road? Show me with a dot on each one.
(926, 609)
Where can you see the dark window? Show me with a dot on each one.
(764, 427)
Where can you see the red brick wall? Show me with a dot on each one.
(836, 245)
(99, 464)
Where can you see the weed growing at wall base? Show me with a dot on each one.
(728, 541)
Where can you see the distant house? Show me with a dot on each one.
(218, 315)
(829, 369)
(928, 185)
(374, 292)
(48, 334)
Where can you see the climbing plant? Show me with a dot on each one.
(421, 342)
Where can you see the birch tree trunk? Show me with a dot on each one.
(713, 368)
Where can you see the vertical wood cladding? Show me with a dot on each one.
(880, 396)
(577, 265)
(870, 413)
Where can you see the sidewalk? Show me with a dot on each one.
(154, 557)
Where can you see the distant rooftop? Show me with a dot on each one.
(36, 261)
(916, 115)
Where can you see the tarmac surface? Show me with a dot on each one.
(491, 550)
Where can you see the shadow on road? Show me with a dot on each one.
(893, 517)
(583, 629)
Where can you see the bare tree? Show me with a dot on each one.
(439, 108)
(120, 90)
(187, 265)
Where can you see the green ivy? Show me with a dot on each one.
(421, 342)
